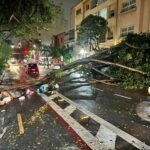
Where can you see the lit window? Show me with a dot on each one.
(126, 30)
(103, 13)
(129, 4)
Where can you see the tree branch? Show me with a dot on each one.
(102, 73)
(87, 60)
(135, 47)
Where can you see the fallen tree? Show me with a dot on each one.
(52, 75)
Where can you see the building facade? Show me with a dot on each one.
(58, 40)
(123, 17)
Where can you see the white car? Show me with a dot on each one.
(56, 66)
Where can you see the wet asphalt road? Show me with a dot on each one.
(119, 111)
(42, 130)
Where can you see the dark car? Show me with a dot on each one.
(32, 68)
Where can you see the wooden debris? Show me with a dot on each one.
(61, 100)
(84, 118)
(20, 124)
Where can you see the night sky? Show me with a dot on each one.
(66, 5)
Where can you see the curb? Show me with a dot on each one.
(107, 136)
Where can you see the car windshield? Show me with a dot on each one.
(32, 65)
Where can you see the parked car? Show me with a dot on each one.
(32, 68)
(57, 66)
(56, 63)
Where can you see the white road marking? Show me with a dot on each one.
(107, 137)
(85, 135)
(2, 134)
(99, 89)
(122, 96)
(70, 109)
(127, 137)
(2, 128)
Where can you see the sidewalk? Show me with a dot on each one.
(94, 132)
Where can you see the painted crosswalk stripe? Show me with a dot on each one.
(70, 109)
(125, 136)
(107, 137)
(2, 134)
(122, 96)
(87, 137)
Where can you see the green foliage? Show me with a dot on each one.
(2, 65)
(5, 52)
(57, 52)
(92, 30)
(137, 56)
(141, 41)
(58, 73)
(23, 18)
(26, 17)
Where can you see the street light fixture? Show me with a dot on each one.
(82, 53)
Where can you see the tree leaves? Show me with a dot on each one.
(92, 30)
(24, 15)
(138, 58)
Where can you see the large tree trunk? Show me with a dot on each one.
(51, 76)
(87, 60)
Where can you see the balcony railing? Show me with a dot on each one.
(128, 7)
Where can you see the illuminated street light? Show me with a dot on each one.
(34, 46)
(12, 46)
(149, 90)
(82, 51)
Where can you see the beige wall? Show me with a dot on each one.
(138, 17)
(146, 18)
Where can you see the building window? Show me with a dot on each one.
(71, 34)
(126, 30)
(93, 3)
(61, 40)
(129, 4)
(110, 34)
(77, 27)
(111, 13)
(87, 7)
(101, 1)
(103, 13)
(78, 12)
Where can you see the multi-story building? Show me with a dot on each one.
(58, 40)
(64, 39)
(123, 17)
